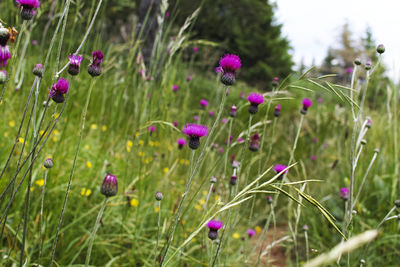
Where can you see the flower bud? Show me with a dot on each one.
(3, 76)
(213, 180)
(109, 187)
(159, 196)
(357, 61)
(38, 70)
(380, 49)
(48, 163)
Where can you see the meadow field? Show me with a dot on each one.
(110, 159)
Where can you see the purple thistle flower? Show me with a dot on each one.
(275, 82)
(28, 8)
(194, 132)
(211, 113)
(214, 226)
(195, 49)
(203, 103)
(224, 120)
(254, 142)
(269, 199)
(195, 117)
(233, 111)
(167, 14)
(229, 64)
(189, 77)
(240, 140)
(5, 55)
(175, 123)
(242, 95)
(313, 157)
(344, 193)
(221, 150)
(95, 67)
(349, 70)
(315, 140)
(38, 70)
(74, 63)
(277, 111)
(58, 90)
(151, 129)
(278, 168)
(319, 100)
(181, 143)
(34, 42)
(251, 233)
(255, 99)
(306, 104)
(109, 187)
(175, 88)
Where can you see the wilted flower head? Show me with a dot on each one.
(251, 232)
(214, 226)
(58, 90)
(306, 104)
(109, 187)
(95, 66)
(203, 103)
(344, 193)
(28, 8)
(74, 63)
(5, 55)
(278, 168)
(194, 132)
(254, 142)
(228, 65)
(181, 143)
(277, 111)
(255, 99)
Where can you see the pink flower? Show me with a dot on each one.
(175, 87)
(203, 103)
(195, 49)
(344, 193)
(58, 90)
(251, 232)
(195, 130)
(229, 65)
(255, 99)
(5, 55)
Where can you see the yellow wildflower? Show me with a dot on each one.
(202, 201)
(11, 123)
(40, 182)
(197, 207)
(236, 235)
(94, 126)
(5, 134)
(21, 140)
(134, 202)
(89, 164)
(165, 170)
(156, 209)
(258, 229)
(141, 142)
(104, 128)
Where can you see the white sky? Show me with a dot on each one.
(314, 25)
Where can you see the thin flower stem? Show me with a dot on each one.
(66, 9)
(306, 239)
(158, 232)
(262, 237)
(228, 147)
(41, 216)
(244, 150)
(83, 119)
(295, 140)
(93, 234)
(199, 159)
(208, 196)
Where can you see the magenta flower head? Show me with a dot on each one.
(175, 88)
(277, 111)
(38, 70)
(151, 129)
(3, 76)
(255, 99)
(181, 143)
(313, 157)
(275, 82)
(194, 132)
(5, 55)
(195, 49)
(251, 233)
(254, 142)
(242, 95)
(344, 193)
(306, 104)
(228, 65)
(28, 8)
(109, 187)
(278, 168)
(95, 66)
(74, 63)
(214, 226)
(175, 123)
(195, 117)
(58, 90)
(233, 112)
(203, 103)
(224, 120)
(211, 113)
(269, 199)
(189, 78)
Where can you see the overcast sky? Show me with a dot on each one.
(314, 25)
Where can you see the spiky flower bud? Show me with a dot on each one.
(363, 142)
(38, 70)
(357, 61)
(109, 187)
(48, 163)
(368, 65)
(380, 49)
(159, 196)
(397, 203)
(213, 180)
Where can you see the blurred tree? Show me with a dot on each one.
(247, 28)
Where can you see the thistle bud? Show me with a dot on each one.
(368, 65)
(380, 49)
(109, 187)
(48, 163)
(213, 180)
(159, 196)
(233, 111)
(397, 203)
(38, 70)
(357, 61)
